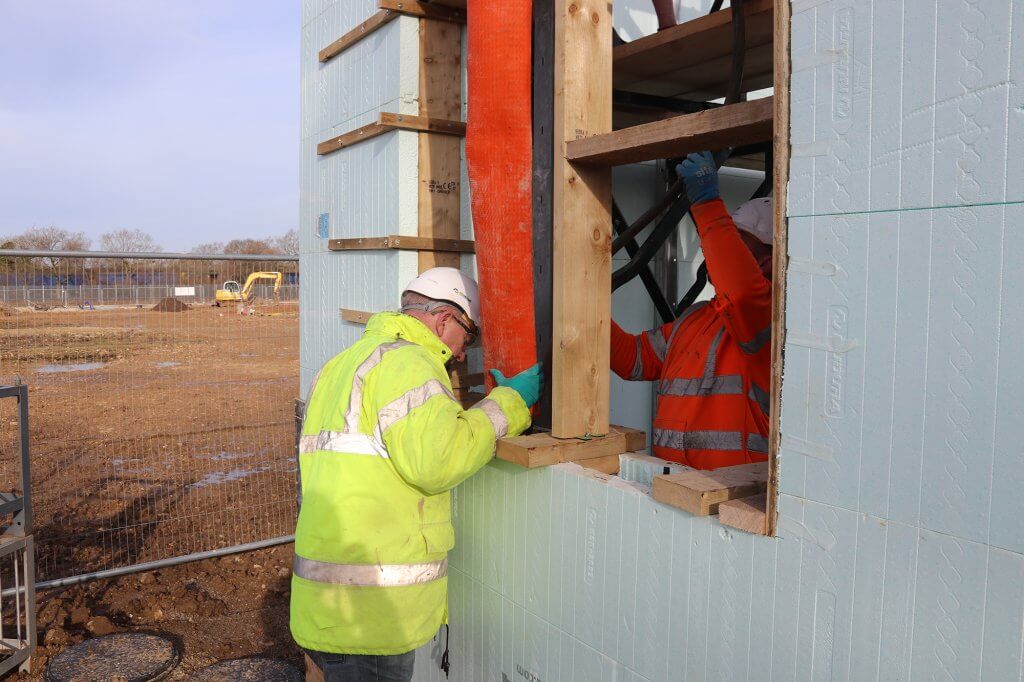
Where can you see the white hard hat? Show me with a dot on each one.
(756, 217)
(451, 285)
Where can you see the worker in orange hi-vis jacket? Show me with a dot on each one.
(713, 363)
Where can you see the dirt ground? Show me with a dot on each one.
(219, 609)
(158, 434)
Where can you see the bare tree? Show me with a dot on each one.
(209, 247)
(288, 243)
(129, 241)
(51, 238)
(249, 246)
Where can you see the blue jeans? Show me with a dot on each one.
(356, 668)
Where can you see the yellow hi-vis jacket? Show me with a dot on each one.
(383, 441)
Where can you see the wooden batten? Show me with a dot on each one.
(437, 11)
(376, 21)
(356, 316)
(581, 264)
(398, 242)
(700, 492)
(781, 152)
(386, 122)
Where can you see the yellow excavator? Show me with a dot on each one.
(234, 293)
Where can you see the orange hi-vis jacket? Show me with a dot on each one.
(713, 363)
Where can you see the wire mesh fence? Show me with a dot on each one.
(162, 425)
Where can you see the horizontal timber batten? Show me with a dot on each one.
(387, 122)
(439, 11)
(728, 126)
(693, 59)
(402, 243)
(700, 492)
(543, 449)
(376, 21)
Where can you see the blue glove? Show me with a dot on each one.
(700, 176)
(527, 383)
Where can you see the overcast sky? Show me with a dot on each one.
(177, 117)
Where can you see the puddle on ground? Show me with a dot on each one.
(218, 477)
(247, 355)
(77, 367)
(167, 364)
(226, 456)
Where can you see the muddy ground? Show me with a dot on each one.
(157, 434)
(218, 609)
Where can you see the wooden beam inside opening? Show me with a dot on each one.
(700, 492)
(401, 243)
(694, 58)
(781, 153)
(581, 222)
(728, 126)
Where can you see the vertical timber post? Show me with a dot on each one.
(581, 222)
(780, 152)
(440, 166)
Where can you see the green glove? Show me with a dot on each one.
(529, 383)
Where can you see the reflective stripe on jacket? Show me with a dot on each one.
(713, 363)
(383, 441)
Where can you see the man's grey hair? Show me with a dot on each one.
(412, 298)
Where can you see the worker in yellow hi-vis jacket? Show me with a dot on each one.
(383, 441)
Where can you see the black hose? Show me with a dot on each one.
(661, 303)
(650, 214)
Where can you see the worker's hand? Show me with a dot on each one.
(700, 176)
(529, 383)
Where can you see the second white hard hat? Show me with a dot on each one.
(451, 285)
(756, 217)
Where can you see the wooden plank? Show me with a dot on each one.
(700, 492)
(361, 134)
(424, 124)
(356, 316)
(780, 259)
(728, 126)
(439, 156)
(609, 464)
(401, 243)
(464, 380)
(582, 224)
(425, 10)
(543, 449)
(745, 513)
(693, 59)
(364, 29)
(386, 122)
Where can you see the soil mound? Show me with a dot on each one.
(171, 305)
